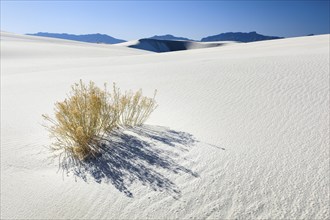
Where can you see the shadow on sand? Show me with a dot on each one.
(137, 155)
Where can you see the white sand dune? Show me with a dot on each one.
(241, 131)
(158, 46)
(40, 51)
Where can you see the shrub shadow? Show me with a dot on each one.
(138, 155)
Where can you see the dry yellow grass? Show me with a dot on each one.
(135, 108)
(89, 113)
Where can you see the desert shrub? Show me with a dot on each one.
(89, 113)
(135, 108)
(81, 120)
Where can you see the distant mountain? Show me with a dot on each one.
(168, 37)
(239, 36)
(90, 38)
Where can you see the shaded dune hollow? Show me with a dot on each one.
(161, 46)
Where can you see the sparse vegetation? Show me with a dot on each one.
(89, 113)
(135, 108)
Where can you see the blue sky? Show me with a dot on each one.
(130, 20)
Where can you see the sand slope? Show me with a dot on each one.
(241, 131)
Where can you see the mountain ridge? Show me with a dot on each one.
(103, 38)
(89, 38)
(240, 37)
(168, 37)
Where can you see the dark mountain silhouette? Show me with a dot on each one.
(90, 38)
(239, 36)
(168, 37)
